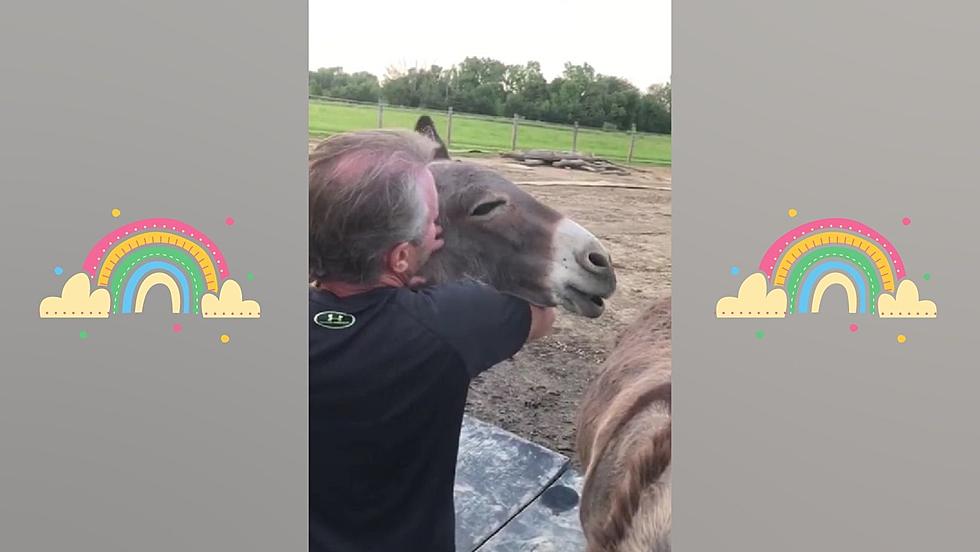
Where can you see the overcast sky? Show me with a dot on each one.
(624, 38)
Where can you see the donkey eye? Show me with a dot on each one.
(486, 208)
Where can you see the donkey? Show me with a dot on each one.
(500, 235)
(623, 431)
(496, 232)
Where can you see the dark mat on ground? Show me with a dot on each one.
(512, 494)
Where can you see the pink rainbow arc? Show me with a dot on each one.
(94, 258)
(767, 265)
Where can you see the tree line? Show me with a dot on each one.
(490, 87)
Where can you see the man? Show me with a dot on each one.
(390, 362)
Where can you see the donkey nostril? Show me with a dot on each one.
(599, 260)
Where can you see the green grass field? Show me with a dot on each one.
(491, 134)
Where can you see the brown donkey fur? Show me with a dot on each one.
(623, 441)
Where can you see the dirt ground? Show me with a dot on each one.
(536, 395)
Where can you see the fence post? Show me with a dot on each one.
(513, 135)
(575, 138)
(629, 159)
(381, 114)
(449, 129)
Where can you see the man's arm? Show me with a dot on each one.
(542, 322)
(483, 326)
(542, 318)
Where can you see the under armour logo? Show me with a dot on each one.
(333, 320)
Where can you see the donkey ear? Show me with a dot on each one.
(426, 127)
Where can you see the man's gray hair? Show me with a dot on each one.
(364, 200)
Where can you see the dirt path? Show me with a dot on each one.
(536, 395)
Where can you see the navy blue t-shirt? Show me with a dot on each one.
(389, 374)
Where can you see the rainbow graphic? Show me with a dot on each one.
(811, 257)
(802, 264)
(125, 264)
(133, 258)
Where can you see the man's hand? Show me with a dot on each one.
(416, 282)
(542, 321)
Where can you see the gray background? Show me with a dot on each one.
(814, 438)
(139, 438)
(810, 439)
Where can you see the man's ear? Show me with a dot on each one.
(398, 259)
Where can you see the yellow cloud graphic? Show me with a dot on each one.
(753, 301)
(905, 303)
(228, 303)
(76, 301)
